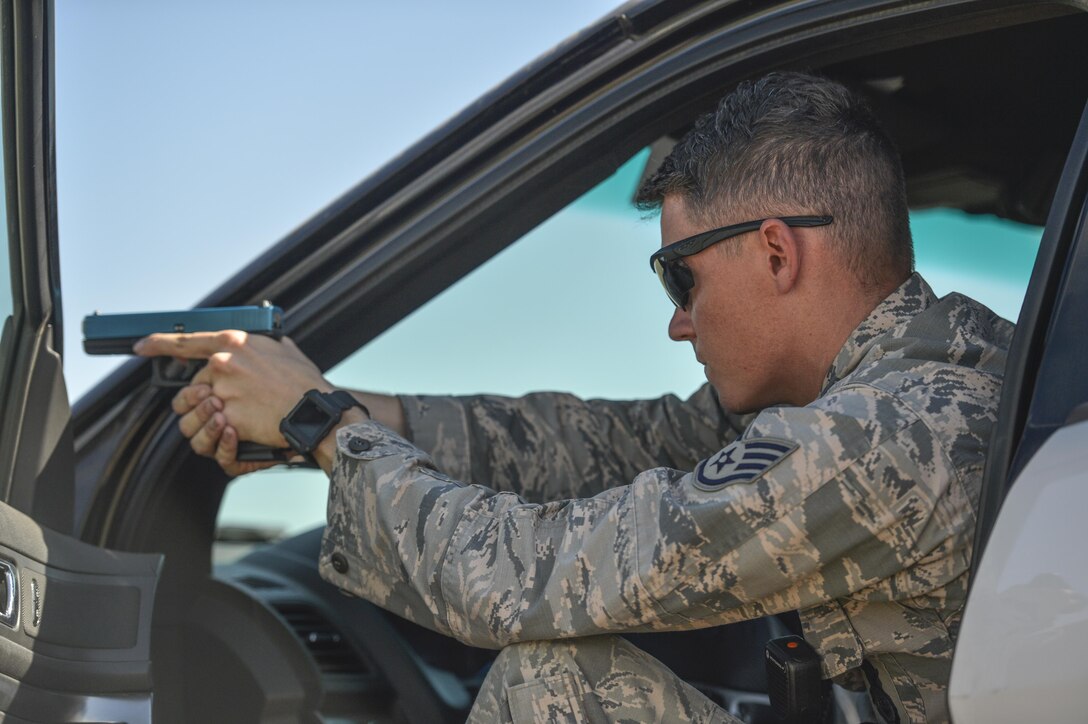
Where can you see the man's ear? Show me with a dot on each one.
(782, 254)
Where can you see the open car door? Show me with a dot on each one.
(75, 619)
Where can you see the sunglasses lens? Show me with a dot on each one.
(677, 280)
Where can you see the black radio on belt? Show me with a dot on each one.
(798, 693)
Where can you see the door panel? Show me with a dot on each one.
(75, 642)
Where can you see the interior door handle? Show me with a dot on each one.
(9, 594)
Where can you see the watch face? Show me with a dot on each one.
(307, 424)
(309, 416)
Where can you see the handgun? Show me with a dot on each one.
(117, 333)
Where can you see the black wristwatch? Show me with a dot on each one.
(314, 416)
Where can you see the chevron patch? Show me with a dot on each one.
(741, 461)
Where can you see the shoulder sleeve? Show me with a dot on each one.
(865, 501)
(578, 448)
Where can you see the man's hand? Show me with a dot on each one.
(248, 385)
(203, 422)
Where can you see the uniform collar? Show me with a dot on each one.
(910, 298)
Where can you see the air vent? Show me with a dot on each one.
(330, 650)
(256, 582)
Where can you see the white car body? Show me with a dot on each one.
(1020, 653)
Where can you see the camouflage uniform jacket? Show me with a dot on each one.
(857, 509)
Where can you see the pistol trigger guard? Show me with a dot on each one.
(168, 372)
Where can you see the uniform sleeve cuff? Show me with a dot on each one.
(371, 440)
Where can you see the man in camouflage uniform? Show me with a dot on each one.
(849, 494)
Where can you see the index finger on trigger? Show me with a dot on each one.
(193, 345)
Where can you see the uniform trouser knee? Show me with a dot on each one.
(593, 679)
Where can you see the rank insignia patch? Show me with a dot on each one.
(741, 461)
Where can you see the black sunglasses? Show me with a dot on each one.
(676, 277)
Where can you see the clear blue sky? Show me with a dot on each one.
(192, 135)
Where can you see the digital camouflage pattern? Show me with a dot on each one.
(865, 528)
(590, 680)
(577, 448)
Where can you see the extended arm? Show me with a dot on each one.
(665, 551)
(578, 447)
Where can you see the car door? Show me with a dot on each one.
(1027, 614)
(75, 619)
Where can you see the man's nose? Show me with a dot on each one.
(680, 327)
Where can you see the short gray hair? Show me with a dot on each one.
(793, 143)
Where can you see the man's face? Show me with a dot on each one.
(728, 318)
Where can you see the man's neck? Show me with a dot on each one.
(823, 324)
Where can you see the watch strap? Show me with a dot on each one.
(345, 401)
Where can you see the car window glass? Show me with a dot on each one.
(574, 306)
(984, 257)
